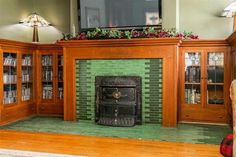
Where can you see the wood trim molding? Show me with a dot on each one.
(16, 44)
(121, 42)
(232, 39)
(234, 21)
(204, 43)
(48, 47)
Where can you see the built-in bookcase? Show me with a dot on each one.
(213, 75)
(9, 78)
(60, 77)
(192, 78)
(47, 76)
(215, 78)
(30, 75)
(50, 82)
(27, 77)
(204, 84)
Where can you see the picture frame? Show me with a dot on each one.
(92, 17)
(152, 18)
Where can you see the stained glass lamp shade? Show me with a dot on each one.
(229, 10)
(35, 21)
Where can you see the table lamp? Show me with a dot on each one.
(35, 21)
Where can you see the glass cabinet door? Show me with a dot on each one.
(27, 77)
(192, 78)
(215, 78)
(9, 78)
(47, 76)
(60, 77)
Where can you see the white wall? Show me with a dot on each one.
(11, 12)
(170, 14)
(199, 16)
(74, 16)
(202, 18)
(56, 12)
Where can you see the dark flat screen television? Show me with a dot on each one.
(119, 14)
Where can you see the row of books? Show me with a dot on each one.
(26, 78)
(9, 78)
(46, 60)
(9, 60)
(26, 61)
(192, 96)
(60, 60)
(47, 92)
(192, 74)
(10, 97)
(60, 92)
(26, 93)
(47, 75)
(60, 75)
(26, 71)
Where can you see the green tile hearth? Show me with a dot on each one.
(189, 133)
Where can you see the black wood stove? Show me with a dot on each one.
(118, 100)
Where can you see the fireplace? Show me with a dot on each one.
(159, 103)
(118, 100)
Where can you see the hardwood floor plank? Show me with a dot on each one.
(101, 146)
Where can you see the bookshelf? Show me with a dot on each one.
(60, 77)
(29, 80)
(27, 77)
(9, 78)
(47, 76)
(192, 78)
(215, 78)
(51, 81)
(203, 81)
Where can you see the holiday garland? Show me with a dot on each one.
(149, 32)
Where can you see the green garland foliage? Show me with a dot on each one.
(149, 32)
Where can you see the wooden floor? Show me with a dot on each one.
(102, 146)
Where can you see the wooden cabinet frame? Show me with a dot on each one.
(20, 109)
(169, 50)
(52, 106)
(33, 100)
(204, 112)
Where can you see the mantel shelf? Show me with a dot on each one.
(121, 42)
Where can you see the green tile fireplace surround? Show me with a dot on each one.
(150, 71)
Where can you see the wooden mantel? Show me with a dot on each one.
(166, 49)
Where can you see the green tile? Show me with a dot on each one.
(147, 69)
(190, 133)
